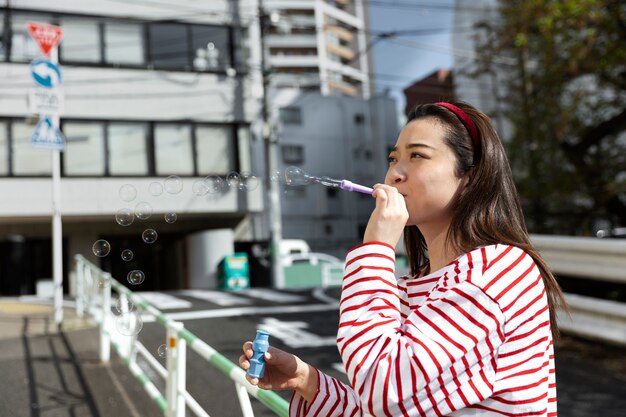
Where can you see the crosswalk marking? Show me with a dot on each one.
(164, 301)
(247, 311)
(338, 366)
(272, 295)
(293, 333)
(220, 298)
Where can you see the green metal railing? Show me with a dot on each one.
(93, 296)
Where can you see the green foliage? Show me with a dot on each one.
(566, 99)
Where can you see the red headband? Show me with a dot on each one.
(467, 122)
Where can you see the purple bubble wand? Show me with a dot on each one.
(296, 176)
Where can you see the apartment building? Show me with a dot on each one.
(318, 45)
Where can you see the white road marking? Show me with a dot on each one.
(294, 335)
(164, 301)
(319, 294)
(242, 311)
(268, 294)
(220, 298)
(338, 366)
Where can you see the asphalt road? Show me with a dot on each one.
(591, 377)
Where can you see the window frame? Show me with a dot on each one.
(234, 128)
(55, 18)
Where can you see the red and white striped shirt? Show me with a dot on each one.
(471, 339)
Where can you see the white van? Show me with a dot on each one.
(293, 246)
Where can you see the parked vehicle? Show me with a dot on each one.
(312, 258)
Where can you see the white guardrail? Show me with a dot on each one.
(595, 259)
(93, 296)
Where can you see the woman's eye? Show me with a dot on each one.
(391, 159)
(415, 155)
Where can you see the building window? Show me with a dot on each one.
(81, 40)
(245, 149)
(4, 148)
(359, 119)
(173, 150)
(214, 150)
(3, 49)
(292, 154)
(291, 115)
(23, 46)
(210, 46)
(242, 49)
(128, 150)
(26, 159)
(123, 44)
(84, 152)
(169, 46)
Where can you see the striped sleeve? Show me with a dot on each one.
(333, 399)
(439, 359)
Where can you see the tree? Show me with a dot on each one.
(566, 100)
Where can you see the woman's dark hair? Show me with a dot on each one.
(488, 210)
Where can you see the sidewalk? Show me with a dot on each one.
(52, 372)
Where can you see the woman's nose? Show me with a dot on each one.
(395, 175)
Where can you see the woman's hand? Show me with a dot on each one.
(388, 218)
(282, 371)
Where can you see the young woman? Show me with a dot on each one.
(469, 333)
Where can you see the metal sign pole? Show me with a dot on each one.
(57, 225)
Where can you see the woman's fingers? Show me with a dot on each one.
(388, 218)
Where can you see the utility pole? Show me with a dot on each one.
(271, 163)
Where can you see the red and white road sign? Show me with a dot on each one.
(46, 36)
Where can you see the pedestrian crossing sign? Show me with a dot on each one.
(47, 136)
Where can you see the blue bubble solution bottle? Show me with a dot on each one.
(259, 346)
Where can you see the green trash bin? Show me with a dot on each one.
(233, 272)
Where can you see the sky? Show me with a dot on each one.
(399, 61)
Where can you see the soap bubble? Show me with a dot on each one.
(249, 181)
(200, 187)
(127, 192)
(143, 210)
(101, 248)
(124, 217)
(216, 184)
(233, 179)
(102, 282)
(162, 351)
(278, 177)
(124, 305)
(155, 188)
(149, 235)
(296, 176)
(127, 255)
(173, 184)
(170, 217)
(135, 277)
(129, 324)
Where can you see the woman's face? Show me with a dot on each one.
(422, 168)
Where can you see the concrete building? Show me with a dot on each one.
(437, 86)
(484, 91)
(318, 45)
(325, 119)
(150, 91)
(342, 138)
